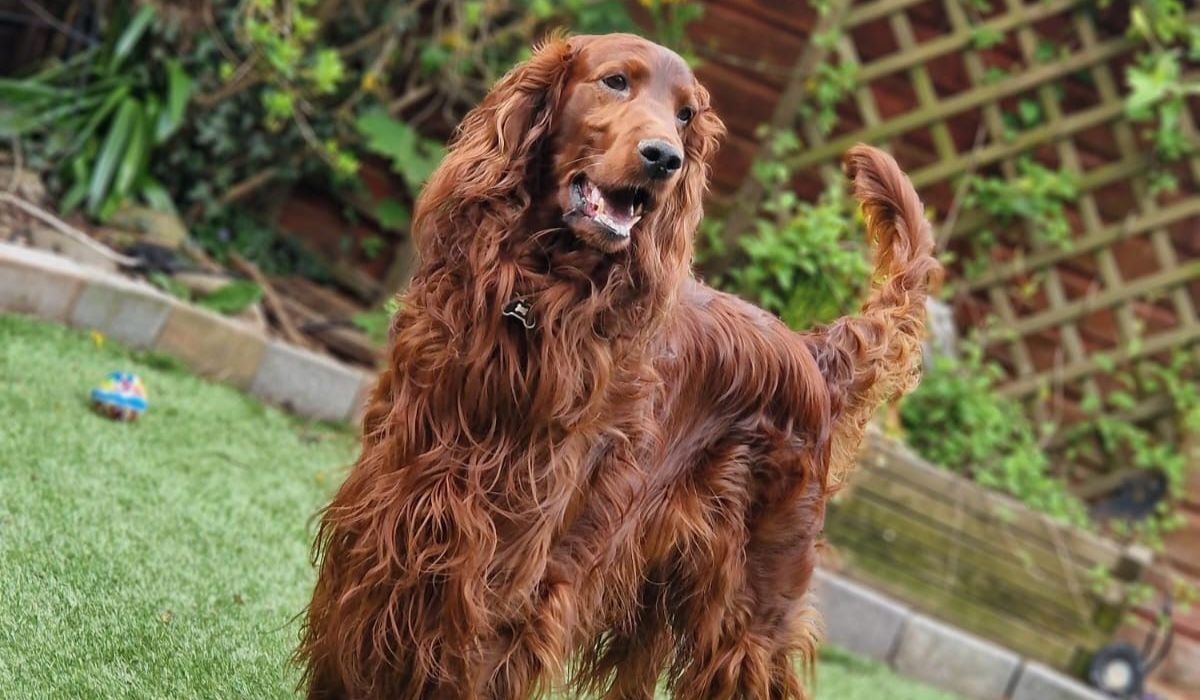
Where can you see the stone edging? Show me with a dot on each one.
(867, 623)
(55, 288)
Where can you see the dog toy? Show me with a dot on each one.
(121, 396)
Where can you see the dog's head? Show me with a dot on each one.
(634, 131)
(608, 136)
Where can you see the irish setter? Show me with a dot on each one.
(582, 469)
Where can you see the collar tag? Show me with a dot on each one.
(519, 309)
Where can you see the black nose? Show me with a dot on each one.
(659, 158)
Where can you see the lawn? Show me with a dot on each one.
(168, 558)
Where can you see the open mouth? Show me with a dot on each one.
(614, 210)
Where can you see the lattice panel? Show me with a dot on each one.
(940, 85)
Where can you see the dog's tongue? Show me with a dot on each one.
(618, 217)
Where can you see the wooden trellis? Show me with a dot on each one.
(1127, 284)
(937, 81)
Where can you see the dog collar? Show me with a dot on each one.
(519, 309)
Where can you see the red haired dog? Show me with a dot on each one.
(580, 465)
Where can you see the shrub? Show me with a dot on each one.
(956, 418)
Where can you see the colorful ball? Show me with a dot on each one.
(121, 396)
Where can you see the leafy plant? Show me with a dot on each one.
(233, 298)
(804, 261)
(99, 117)
(241, 232)
(412, 156)
(1037, 198)
(1158, 85)
(1107, 426)
(956, 418)
(375, 322)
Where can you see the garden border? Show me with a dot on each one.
(867, 623)
(55, 288)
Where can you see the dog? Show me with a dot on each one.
(583, 470)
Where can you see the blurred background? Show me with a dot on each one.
(258, 160)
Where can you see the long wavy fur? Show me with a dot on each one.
(634, 487)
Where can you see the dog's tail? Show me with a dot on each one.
(876, 356)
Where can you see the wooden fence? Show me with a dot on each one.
(954, 550)
(1127, 282)
(938, 83)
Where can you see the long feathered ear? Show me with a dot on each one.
(496, 144)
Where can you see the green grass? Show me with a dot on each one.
(168, 558)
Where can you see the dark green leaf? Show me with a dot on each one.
(134, 157)
(179, 91)
(111, 153)
(391, 214)
(98, 117)
(233, 298)
(155, 194)
(132, 34)
(73, 197)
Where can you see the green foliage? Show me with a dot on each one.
(1158, 95)
(230, 300)
(1036, 198)
(1158, 85)
(670, 19)
(233, 298)
(413, 157)
(241, 232)
(830, 84)
(984, 37)
(100, 118)
(1124, 442)
(376, 322)
(956, 418)
(805, 262)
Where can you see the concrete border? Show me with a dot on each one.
(870, 624)
(38, 283)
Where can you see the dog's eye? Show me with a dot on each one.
(685, 115)
(616, 82)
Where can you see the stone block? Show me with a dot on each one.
(306, 383)
(953, 660)
(129, 312)
(37, 283)
(212, 346)
(1039, 682)
(857, 618)
(364, 395)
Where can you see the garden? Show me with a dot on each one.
(259, 160)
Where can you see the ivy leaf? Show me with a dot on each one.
(413, 157)
(233, 298)
(1149, 82)
(391, 214)
(328, 71)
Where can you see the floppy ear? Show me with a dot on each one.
(495, 146)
